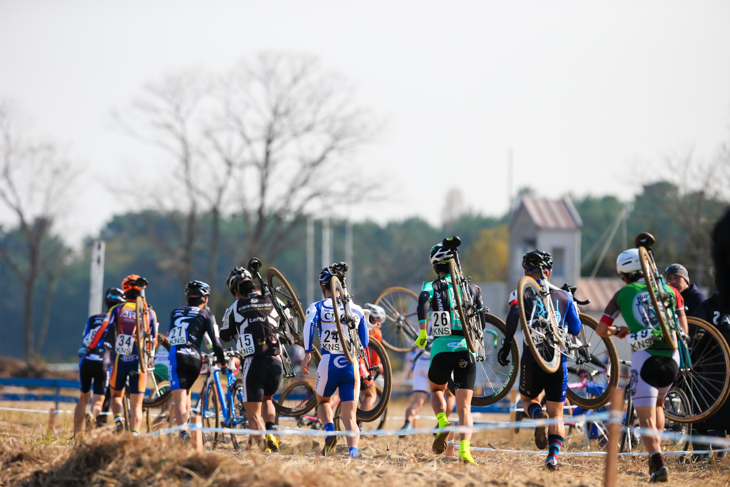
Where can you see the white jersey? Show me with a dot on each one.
(321, 319)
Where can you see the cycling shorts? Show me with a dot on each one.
(651, 377)
(127, 367)
(420, 375)
(533, 380)
(261, 377)
(461, 364)
(185, 363)
(335, 372)
(93, 371)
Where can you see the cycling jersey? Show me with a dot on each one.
(438, 296)
(253, 320)
(119, 330)
(421, 361)
(188, 326)
(634, 304)
(321, 319)
(334, 371)
(92, 326)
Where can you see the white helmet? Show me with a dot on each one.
(628, 261)
(377, 313)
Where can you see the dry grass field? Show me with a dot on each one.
(31, 455)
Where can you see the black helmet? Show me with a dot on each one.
(338, 269)
(235, 277)
(537, 259)
(113, 296)
(197, 289)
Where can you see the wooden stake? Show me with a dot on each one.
(51, 419)
(512, 416)
(197, 435)
(614, 437)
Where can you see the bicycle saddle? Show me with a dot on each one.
(644, 239)
(451, 242)
(254, 264)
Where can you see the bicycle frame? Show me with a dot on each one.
(225, 400)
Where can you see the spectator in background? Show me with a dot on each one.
(719, 423)
(721, 258)
(678, 277)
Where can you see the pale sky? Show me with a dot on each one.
(582, 92)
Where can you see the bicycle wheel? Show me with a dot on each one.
(284, 294)
(629, 438)
(494, 381)
(539, 338)
(384, 380)
(703, 372)
(296, 399)
(207, 407)
(593, 367)
(465, 308)
(239, 419)
(157, 396)
(294, 355)
(343, 319)
(400, 328)
(660, 299)
(364, 425)
(677, 402)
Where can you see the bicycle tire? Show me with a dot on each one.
(207, 407)
(627, 425)
(295, 322)
(347, 348)
(493, 381)
(140, 324)
(679, 402)
(382, 418)
(400, 328)
(239, 419)
(599, 350)
(387, 385)
(547, 353)
(706, 382)
(654, 286)
(158, 399)
(285, 406)
(468, 318)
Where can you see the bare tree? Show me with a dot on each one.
(299, 125)
(34, 183)
(265, 142)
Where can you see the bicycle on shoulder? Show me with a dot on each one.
(346, 323)
(704, 355)
(291, 322)
(484, 334)
(214, 403)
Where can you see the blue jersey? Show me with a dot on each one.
(93, 324)
(321, 319)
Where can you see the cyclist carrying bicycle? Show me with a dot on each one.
(334, 371)
(449, 352)
(533, 379)
(654, 366)
(188, 326)
(94, 366)
(121, 325)
(252, 321)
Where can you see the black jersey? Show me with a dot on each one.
(92, 326)
(188, 325)
(253, 321)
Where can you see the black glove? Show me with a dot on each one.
(503, 354)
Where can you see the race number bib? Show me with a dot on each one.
(441, 323)
(641, 340)
(178, 336)
(331, 341)
(90, 336)
(245, 344)
(124, 345)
